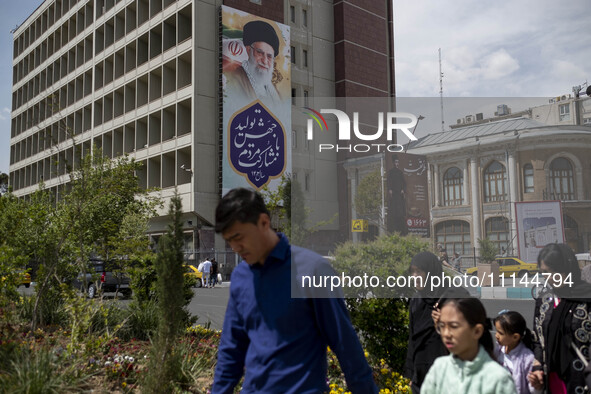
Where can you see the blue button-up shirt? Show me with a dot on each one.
(279, 342)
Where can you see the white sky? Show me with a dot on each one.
(519, 48)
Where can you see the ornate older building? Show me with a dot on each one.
(477, 173)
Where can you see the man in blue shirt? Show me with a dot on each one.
(278, 341)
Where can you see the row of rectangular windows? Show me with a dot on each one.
(159, 171)
(151, 44)
(157, 127)
(134, 15)
(495, 185)
(157, 83)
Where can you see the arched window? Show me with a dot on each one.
(562, 179)
(528, 178)
(453, 187)
(495, 178)
(454, 235)
(497, 230)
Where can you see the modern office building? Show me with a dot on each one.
(143, 78)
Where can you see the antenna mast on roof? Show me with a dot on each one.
(441, 91)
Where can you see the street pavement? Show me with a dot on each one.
(209, 305)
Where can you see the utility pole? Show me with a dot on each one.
(441, 91)
(383, 207)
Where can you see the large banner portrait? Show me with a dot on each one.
(256, 77)
(538, 223)
(407, 195)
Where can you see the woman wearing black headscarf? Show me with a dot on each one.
(424, 344)
(562, 325)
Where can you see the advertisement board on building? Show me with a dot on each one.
(407, 196)
(256, 78)
(538, 224)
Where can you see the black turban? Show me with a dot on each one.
(256, 31)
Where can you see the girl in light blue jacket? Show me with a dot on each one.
(471, 366)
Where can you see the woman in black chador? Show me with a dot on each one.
(562, 324)
(424, 344)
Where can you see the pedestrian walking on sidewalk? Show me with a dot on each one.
(279, 342)
(561, 324)
(206, 273)
(471, 367)
(424, 343)
(214, 272)
(514, 350)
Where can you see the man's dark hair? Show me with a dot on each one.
(239, 205)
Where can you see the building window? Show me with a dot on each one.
(306, 95)
(562, 179)
(453, 187)
(497, 230)
(293, 54)
(293, 96)
(305, 18)
(571, 233)
(528, 178)
(292, 14)
(294, 140)
(495, 179)
(306, 144)
(305, 57)
(454, 235)
(307, 182)
(564, 110)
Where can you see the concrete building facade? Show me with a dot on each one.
(142, 78)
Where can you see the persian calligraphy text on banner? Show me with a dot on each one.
(256, 78)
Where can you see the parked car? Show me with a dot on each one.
(103, 277)
(509, 266)
(192, 271)
(25, 278)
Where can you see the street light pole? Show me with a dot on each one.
(383, 210)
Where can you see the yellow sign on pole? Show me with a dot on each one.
(359, 226)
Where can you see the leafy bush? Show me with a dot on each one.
(382, 323)
(52, 308)
(488, 250)
(387, 380)
(142, 321)
(44, 371)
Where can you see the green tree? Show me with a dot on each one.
(368, 201)
(165, 361)
(43, 237)
(108, 211)
(102, 212)
(488, 250)
(380, 316)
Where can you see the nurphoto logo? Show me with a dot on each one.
(392, 122)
